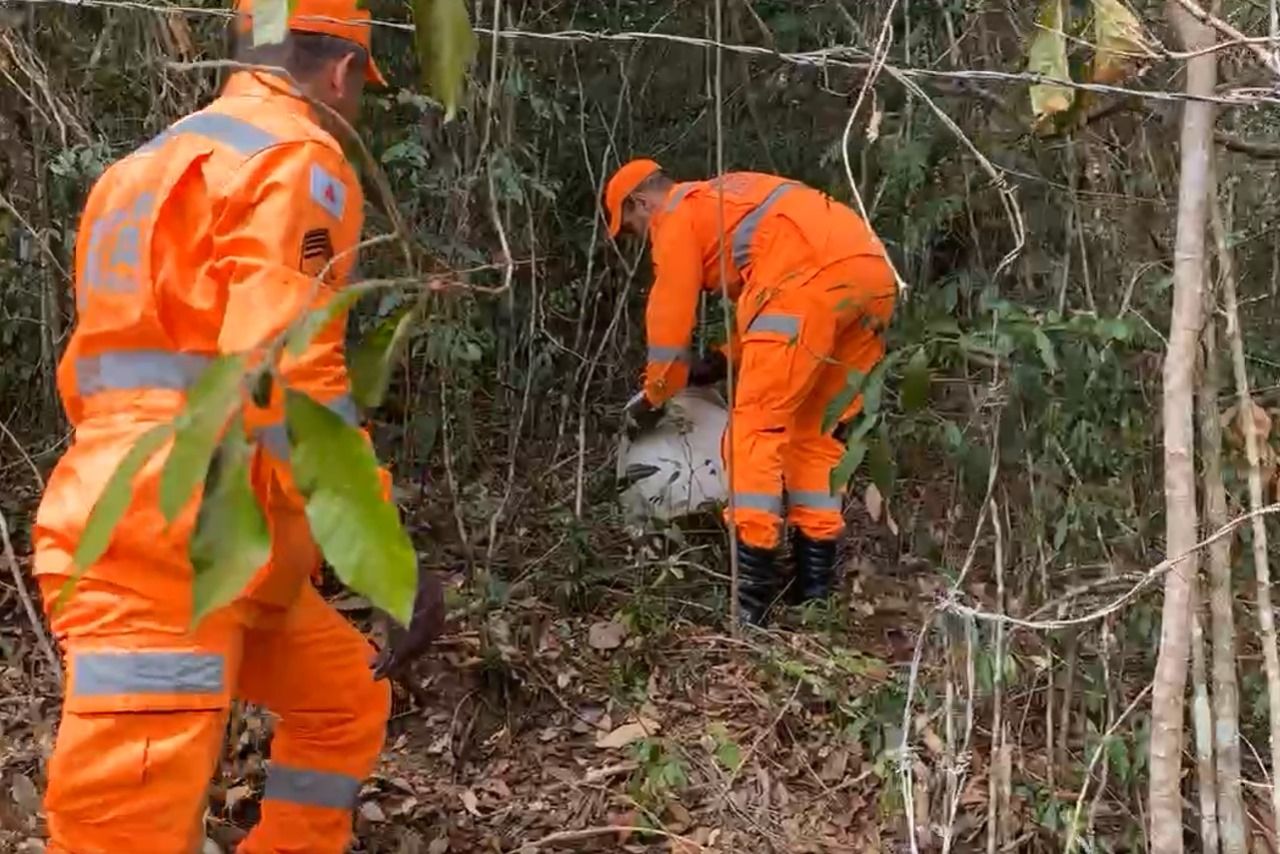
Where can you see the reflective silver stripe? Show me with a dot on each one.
(128, 370)
(275, 437)
(758, 501)
(311, 788)
(677, 197)
(108, 674)
(814, 500)
(746, 230)
(783, 324)
(246, 138)
(668, 354)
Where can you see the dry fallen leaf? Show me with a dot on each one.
(874, 501)
(439, 845)
(608, 635)
(628, 733)
(371, 812)
(471, 802)
(25, 794)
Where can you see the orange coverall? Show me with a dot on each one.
(813, 293)
(206, 240)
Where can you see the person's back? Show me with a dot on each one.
(209, 240)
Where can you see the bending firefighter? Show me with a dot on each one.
(813, 293)
(211, 239)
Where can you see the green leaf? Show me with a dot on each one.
(358, 531)
(843, 473)
(215, 395)
(371, 363)
(1046, 350)
(915, 381)
(270, 21)
(873, 388)
(837, 407)
(1048, 56)
(446, 45)
(112, 504)
(880, 466)
(231, 540)
(319, 318)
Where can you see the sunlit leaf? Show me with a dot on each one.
(358, 531)
(231, 540)
(1120, 41)
(270, 21)
(112, 504)
(1048, 56)
(446, 45)
(372, 361)
(215, 395)
(915, 381)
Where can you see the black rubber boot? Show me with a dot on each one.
(757, 583)
(815, 562)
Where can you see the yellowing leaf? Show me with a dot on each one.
(358, 531)
(446, 45)
(270, 21)
(1120, 40)
(231, 540)
(1047, 56)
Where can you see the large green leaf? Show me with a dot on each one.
(319, 318)
(836, 408)
(231, 540)
(372, 361)
(211, 401)
(270, 21)
(849, 463)
(112, 504)
(880, 465)
(358, 531)
(446, 45)
(915, 381)
(1048, 56)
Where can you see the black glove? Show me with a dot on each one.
(427, 623)
(709, 369)
(641, 415)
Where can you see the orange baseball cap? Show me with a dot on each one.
(339, 18)
(622, 184)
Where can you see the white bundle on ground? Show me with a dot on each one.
(677, 468)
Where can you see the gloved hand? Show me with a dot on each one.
(427, 623)
(709, 369)
(641, 415)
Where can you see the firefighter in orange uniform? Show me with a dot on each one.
(211, 239)
(813, 293)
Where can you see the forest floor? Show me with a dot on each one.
(635, 722)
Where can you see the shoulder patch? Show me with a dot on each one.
(317, 252)
(327, 191)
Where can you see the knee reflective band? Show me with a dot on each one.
(309, 788)
(107, 674)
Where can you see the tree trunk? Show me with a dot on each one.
(1226, 693)
(1179, 439)
(1261, 564)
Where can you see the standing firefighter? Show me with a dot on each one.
(813, 293)
(211, 239)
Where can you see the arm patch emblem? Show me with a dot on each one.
(317, 252)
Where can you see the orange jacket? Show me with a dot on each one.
(778, 234)
(207, 241)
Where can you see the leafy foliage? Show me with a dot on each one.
(358, 530)
(373, 360)
(211, 401)
(446, 45)
(1048, 56)
(231, 540)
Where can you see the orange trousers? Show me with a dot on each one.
(798, 349)
(147, 698)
